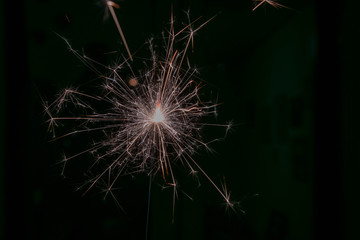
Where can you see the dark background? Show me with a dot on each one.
(288, 80)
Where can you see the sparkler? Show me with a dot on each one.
(149, 120)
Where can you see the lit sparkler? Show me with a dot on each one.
(148, 121)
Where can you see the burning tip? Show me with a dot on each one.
(158, 115)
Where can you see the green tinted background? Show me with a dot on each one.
(286, 78)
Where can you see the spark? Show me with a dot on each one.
(111, 6)
(147, 121)
(273, 3)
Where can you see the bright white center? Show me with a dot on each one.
(158, 115)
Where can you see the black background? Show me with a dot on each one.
(287, 78)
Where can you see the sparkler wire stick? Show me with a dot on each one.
(111, 4)
(148, 208)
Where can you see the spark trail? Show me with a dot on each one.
(273, 3)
